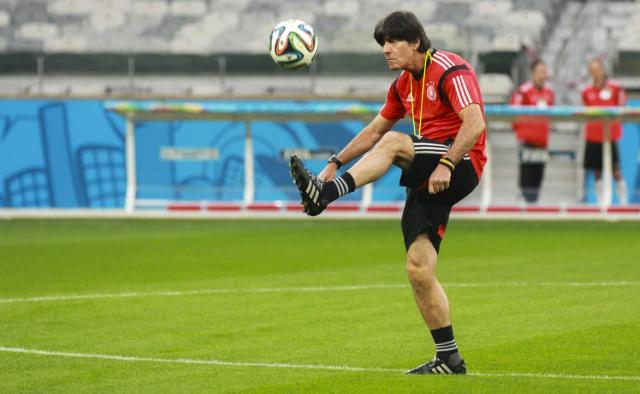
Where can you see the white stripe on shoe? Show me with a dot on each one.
(447, 369)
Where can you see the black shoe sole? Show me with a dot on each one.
(300, 179)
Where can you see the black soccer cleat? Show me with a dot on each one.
(310, 187)
(439, 367)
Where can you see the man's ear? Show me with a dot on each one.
(415, 45)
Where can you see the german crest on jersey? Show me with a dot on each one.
(431, 92)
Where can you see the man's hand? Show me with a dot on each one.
(439, 179)
(328, 173)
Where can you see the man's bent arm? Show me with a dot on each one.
(471, 129)
(366, 139)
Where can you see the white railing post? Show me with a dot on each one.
(486, 193)
(130, 147)
(367, 196)
(249, 182)
(607, 168)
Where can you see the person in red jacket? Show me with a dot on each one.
(533, 134)
(603, 93)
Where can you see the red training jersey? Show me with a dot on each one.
(532, 130)
(608, 95)
(450, 85)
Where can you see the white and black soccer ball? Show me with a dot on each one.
(293, 44)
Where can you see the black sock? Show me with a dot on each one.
(445, 343)
(338, 187)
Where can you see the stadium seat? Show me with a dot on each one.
(68, 44)
(72, 7)
(28, 11)
(424, 10)
(149, 9)
(496, 88)
(307, 16)
(191, 8)
(238, 5)
(193, 45)
(341, 8)
(630, 43)
(441, 33)
(150, 44)
(219, 21)
(110, 43)
(37, 31)
(506, 43)
(5, 19)
(525, 19)
(104, 19)
(493, 9)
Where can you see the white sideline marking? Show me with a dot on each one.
(189, 361)
(178, 293)
(197, 292)
(300, 366)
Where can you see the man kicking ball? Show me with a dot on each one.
(441, 163)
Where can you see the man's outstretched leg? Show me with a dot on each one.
(434, 307)
(394, 148)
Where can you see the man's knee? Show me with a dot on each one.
(396, 141)
(421, 260)
(399, 145)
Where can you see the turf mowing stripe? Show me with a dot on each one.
(177, 293)
(299, 366)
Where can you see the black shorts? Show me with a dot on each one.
(593, 155)
(426, 213)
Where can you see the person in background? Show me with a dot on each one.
(533, 133)
(603, 93)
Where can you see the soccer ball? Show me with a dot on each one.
(293, 44)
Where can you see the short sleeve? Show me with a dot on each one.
(461, 90)
(393, 108)
(584, 97)
(622, 97)
(517, 98)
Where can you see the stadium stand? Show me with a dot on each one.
(160, 49)
(201, 28)
(187, 37)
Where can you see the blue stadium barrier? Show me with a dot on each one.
(71, 153)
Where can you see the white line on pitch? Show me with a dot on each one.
(177, 293)
(299, 366)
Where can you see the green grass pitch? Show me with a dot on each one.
(536, 306)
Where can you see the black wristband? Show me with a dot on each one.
(334, 159)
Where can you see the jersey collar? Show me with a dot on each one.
(418, 76)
